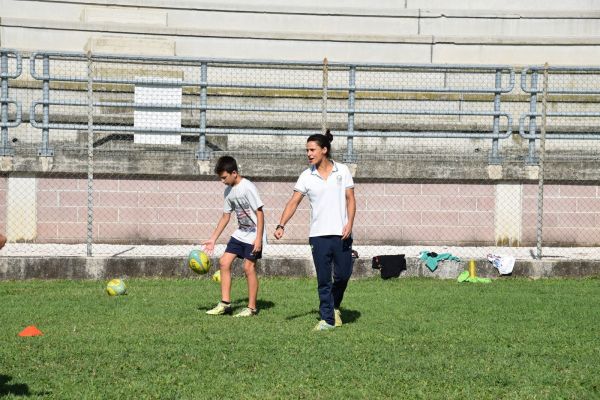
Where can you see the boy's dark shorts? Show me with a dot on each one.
(242, 250)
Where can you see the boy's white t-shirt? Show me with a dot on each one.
(244, 200)
(327, 199)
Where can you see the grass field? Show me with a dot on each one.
(407, 338)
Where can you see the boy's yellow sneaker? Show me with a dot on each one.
(323, 326)
(337, 314)
(220, 309)
(246, 312)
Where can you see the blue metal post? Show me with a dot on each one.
(495, 157)
(46, 150)
(350, 156)
(531, 157)
(6, 149)
(202, 153)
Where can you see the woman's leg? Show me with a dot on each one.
(322, 257)
(342, 269)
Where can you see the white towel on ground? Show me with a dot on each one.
(504, 264)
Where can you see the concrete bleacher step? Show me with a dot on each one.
(272, 18)
(409, 31)
(554, 5)
(359, 7)
(26, 34)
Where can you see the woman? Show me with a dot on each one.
(330, 190)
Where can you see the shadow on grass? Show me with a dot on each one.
(350, 316)
(16, 389)
(260, 304)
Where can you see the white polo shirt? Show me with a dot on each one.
(327, 199)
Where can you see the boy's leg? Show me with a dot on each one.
(342, 269)
(225, 267)
(250, 270)
(322, 256)
(223, 307)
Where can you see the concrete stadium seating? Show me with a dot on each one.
(415, 31)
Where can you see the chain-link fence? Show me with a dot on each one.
(120, 150)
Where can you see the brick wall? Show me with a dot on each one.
(571, 214)
(425, 213)
(186, 211)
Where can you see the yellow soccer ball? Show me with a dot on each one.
(198, 261)
(217, 276)
(116, 287)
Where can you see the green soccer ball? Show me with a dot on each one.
(199, 262)
(116, 287)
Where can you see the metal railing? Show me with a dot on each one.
(351, 81)
(5, 101)
(531, 84)
(504, 79)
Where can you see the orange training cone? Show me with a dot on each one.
(31, 330)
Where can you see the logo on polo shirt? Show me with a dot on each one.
(339, 179)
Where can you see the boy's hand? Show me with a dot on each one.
(209, 246)
(257, 246)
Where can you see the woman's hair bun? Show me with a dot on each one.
(328, 135)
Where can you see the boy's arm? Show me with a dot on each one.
(209, 245)
(351, 207)
(260, 228)
(288, 213)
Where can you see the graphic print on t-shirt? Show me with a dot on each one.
(243, 211)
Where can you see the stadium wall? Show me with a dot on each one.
(516, 32)
(454, 201)
(184, 211)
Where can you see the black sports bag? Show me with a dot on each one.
(390, 266)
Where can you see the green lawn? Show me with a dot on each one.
(404, 338)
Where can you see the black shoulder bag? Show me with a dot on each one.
(390, 266)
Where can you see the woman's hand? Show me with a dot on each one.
(347, 231)
(279, 232)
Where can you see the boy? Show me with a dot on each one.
(241, 197)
